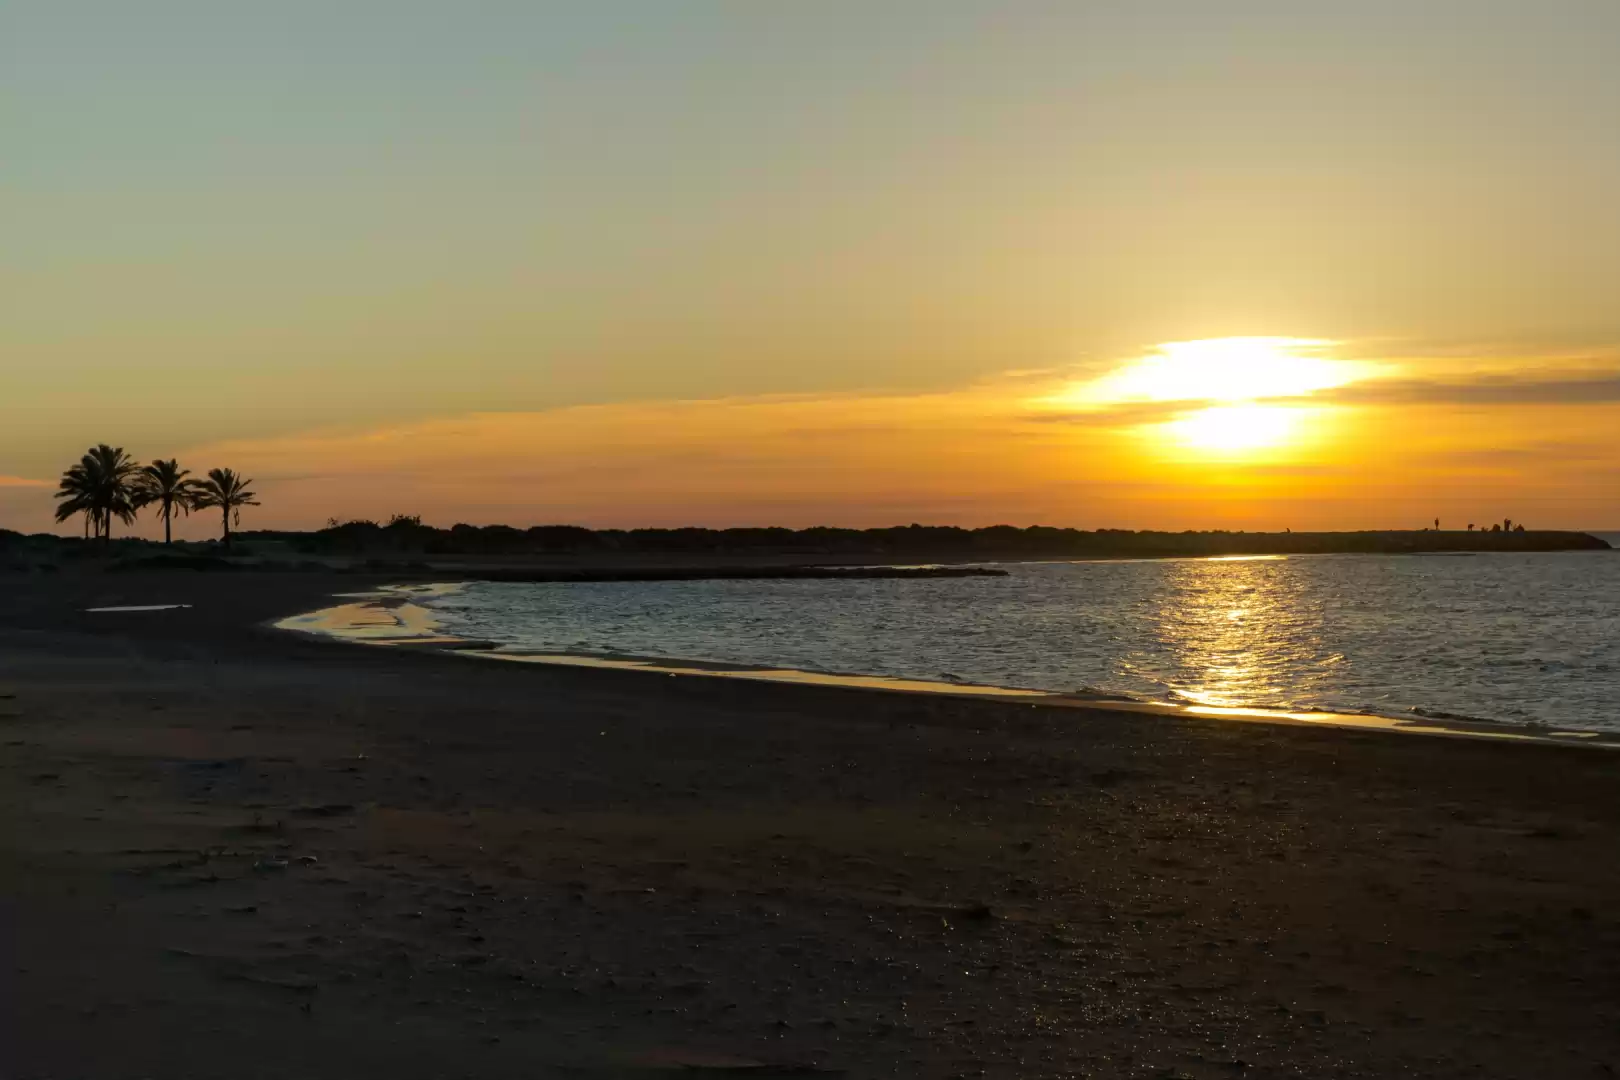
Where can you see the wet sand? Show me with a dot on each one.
(235, 851)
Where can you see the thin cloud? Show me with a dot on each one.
(1570, 388)
(1129, 414)
(1567, 353)
(293, 478)
(1486, 389)
(1535, 454)
(22, 482)
(1288, 469)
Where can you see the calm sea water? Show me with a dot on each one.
(1514, 638)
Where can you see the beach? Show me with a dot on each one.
(236, 851)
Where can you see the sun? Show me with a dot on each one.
(1233, 430)
(1221, 399)
(1227, 370)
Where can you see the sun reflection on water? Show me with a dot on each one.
(1231, 632)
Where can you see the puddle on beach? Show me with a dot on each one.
(139, 607)
(367, 621)
(384, 617)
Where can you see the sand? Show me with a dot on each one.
(234, 851)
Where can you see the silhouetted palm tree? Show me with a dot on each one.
(227, 491)
(171, 488)
(103, 485)
(77, 492)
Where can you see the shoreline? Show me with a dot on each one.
(387, 617)
(274, 551)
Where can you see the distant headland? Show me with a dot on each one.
(934, 543)
(567, 551)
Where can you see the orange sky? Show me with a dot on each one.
(720, 263)
(1264, 444)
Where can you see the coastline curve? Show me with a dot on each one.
(391, 616)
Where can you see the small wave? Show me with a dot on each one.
(1092, 693)
(1463, 718)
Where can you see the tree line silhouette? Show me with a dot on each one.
(406, 534)
(107, 483)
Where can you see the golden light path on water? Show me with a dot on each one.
(1235, 631)
(1228, 632)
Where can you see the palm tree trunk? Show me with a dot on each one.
(168, 520)
(227, 516)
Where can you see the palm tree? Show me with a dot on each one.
(171, 488)
(118, 490)
(227, 491)
(103, 485)
(77, 492)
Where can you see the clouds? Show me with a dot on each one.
(1126, 415)
(1471, 438)
(1563, 455)
(1394, 387)
(797, 460)
(980, 455)
(1569, 388)
(25, 505)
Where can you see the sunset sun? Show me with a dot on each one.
(1236, 429)
(1220, 399)
(1249, 383)
(1229, 370)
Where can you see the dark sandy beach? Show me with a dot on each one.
(230, 851)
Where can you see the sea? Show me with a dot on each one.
(1510, 638)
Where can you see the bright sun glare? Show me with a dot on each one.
(1227, 370)
(1234, 429)
(1240, 382)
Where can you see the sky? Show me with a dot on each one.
(722, 262)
